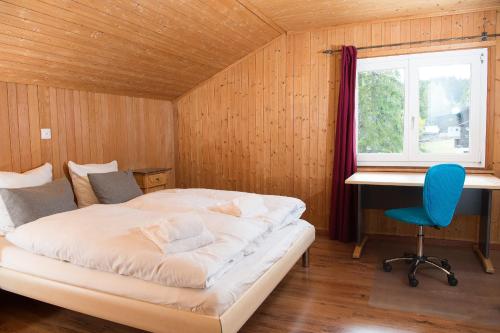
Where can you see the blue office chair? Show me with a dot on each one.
(442, 189)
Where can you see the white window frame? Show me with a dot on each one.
(411, 156)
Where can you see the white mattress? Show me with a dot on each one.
(211, 301)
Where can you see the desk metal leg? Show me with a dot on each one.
(483, 248)
(360, 237)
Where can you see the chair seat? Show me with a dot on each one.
(412, 215)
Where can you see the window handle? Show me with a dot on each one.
(413, 122)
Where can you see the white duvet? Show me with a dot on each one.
(108, 237)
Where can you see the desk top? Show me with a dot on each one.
(479, 181)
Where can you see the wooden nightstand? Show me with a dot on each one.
(154, 179)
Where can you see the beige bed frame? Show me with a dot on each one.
(149, 316)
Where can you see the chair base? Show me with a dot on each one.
(415, 260)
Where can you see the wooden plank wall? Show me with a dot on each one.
(86, 127)
(266, 124)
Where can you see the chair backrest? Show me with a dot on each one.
(442, 189)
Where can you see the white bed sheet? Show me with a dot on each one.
(211, 301)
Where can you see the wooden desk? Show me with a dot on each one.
(485, 183)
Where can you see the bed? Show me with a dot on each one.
(223, 307)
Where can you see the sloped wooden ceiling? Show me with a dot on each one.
(151, 48)
(296, 15)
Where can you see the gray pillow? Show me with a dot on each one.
(114, 187)
(31, 203)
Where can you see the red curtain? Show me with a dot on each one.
(344, 197)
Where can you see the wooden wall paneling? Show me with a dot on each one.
(5, 145)
(141, 109)
(187, 165)
(215, 117)
(281, 65)
(179, 144)
(23, 126)
(106, 141)
(290, 120)
(61, 124)
(77, 114)
(199, 142)
(267, 116)
(13, 127)
(298, 41)
(305, 106)
(50, 102)
(436, 25)
(43, 97)
(491, 25)
(92, 127)
(202, 124)
(252, 107)
(191, 130)
(86, 128)
(259, 121)
(244, 125)
(69, 125)
(132, 136)
(457, 26)
(315, 49)
(496, 136)
(34, 126)
(291, 149)
(324, 65)
(233, 114)
(85, 125)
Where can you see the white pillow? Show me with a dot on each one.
(35, 177)
(85, 195)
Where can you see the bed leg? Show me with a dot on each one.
(305, 259)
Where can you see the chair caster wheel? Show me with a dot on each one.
(387, 267)
(412, 282)
(445, 265)
(452, 281)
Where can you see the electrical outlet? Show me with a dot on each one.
(46, 134)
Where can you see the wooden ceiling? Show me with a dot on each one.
(296, 15)
(162, 48)
(145, 48)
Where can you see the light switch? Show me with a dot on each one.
(46, 134)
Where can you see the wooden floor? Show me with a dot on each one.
(330, 296)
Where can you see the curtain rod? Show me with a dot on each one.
(484, 37)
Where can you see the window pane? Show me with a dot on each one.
(444, 97)
(381, 108)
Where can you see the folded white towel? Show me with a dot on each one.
(189, 244)
(180, 226)
(250, 205)
(155, 234)
(179, 233)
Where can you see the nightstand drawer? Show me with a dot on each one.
(155, 180)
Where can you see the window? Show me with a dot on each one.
(422, 109)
